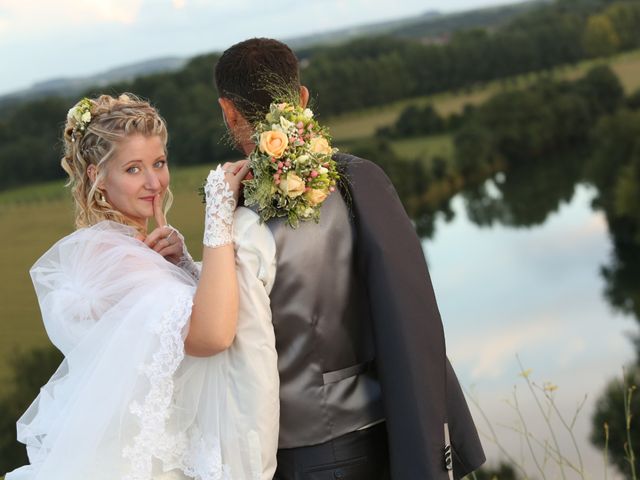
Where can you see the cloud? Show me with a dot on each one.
(490, 352)
(20, 19)
(574, 347)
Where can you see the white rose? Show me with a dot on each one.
(322, 170)
(302, 159)
(86, 117)
(308, 114)
(286, 124)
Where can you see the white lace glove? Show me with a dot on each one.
(218, 216)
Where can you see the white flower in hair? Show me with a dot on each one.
(81, 114)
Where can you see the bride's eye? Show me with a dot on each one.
(160, 163)
(133, 169)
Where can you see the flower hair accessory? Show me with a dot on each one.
(292, 164)
(80, 113)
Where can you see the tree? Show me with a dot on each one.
(475, 150)
(501, 472)
(610, 410)
(600, 38)
(627, 191)
(602, 89)
(633, 100)
(625, 18)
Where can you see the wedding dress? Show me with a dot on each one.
(126, 402)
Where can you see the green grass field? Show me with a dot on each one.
(425, 148)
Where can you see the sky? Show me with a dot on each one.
(45, 39)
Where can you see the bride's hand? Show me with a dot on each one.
(165, 239)
(235, 173)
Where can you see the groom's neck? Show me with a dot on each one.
(247, 147)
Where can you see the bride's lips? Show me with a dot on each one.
(148, 199)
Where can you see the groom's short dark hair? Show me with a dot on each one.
(251, 73)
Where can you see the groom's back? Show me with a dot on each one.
(323, 334)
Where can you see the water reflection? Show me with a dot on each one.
(622, 274)
(524, 196)
(535, 292)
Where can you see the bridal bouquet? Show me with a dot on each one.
(293, 169)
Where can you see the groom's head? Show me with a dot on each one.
(249, 76)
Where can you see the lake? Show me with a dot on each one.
(533, 293)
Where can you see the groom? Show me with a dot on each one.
(366, 390)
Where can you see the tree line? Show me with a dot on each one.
(362, 73)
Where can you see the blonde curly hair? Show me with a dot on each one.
(94, 143)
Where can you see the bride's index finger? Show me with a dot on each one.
(158, 214)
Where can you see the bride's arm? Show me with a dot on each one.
(214, 313)
(215, 305)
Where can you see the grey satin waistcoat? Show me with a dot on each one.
(328, 386)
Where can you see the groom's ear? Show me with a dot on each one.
(304, 96)
(229, 112)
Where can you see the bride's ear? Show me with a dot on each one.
(92, 173)
(304, 96)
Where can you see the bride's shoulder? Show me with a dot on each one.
(105, 228)
(106, 232)
(93, 242)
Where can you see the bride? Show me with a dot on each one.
(166, 374)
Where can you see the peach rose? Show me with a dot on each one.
(316, 196)
(320, 145)
(285, 107)
(273, 143)
(292, 185)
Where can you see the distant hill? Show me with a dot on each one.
(430, 26)
(74, 86)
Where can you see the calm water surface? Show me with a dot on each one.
(534, 293)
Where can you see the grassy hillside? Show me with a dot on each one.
(364, 123)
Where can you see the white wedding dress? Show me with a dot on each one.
(127, 403)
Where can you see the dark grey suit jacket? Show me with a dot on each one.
(420, 390)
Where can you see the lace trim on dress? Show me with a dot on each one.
(186, 261)
(218, 219)
(196, 455)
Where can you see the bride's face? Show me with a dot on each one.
(135, 174)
